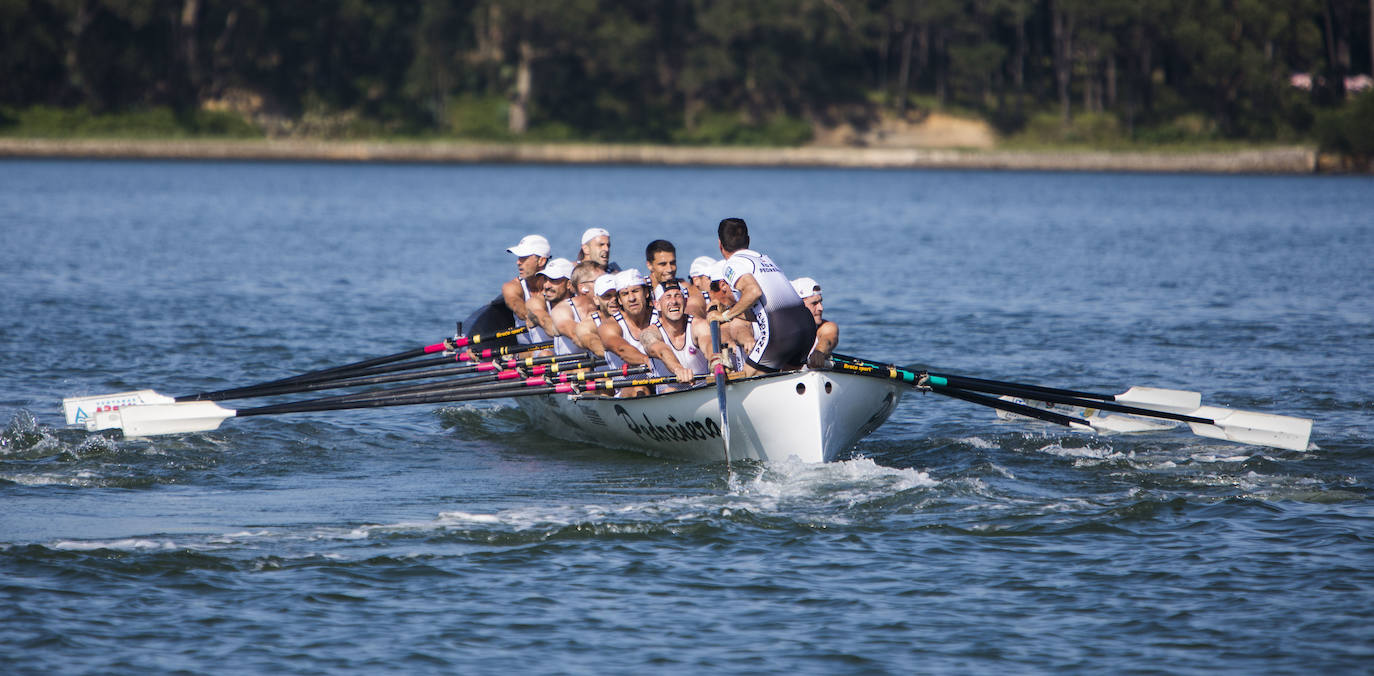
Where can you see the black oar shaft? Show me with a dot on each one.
(1011, 407)
(1039, 394)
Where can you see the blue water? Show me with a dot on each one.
(456, 538)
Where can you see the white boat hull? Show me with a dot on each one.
(815, 416)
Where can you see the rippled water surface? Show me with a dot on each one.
(460, 538)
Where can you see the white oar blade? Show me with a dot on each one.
(82, 410)
(175, 418)
(1250, 427)
(1159, 399)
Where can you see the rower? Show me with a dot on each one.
(531, 254)
(660, 257)
(621, 337)
(588, 330)
(547, 287)
(596, 246)
(678, 345)
(783, 328)
(737, 335)
(700, 275)
(569, 313)
(827, 332)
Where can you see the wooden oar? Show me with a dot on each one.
(1246, 427)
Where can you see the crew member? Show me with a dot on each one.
(678, 345)
(737, 335)
(547, 287)
(596, 246)
(569, 313)
(621, 337)
(827, 332)
(531, 254)
(783, 328)
(700, 275)
(607, 304)
(660, 257)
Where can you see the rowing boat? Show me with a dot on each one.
(816, 416)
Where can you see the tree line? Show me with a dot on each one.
(694, 70)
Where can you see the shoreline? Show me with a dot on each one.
(1281, 160)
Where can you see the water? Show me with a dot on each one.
(442, 539)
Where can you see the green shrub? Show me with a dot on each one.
(731, 128)
(1348, 130)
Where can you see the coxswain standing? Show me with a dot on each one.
(621, 337)
(827, 332)
(569, 313)
(531, 254)
(784, 330)
(660, 257)
(679, 345)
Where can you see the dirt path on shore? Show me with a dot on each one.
(1294, 160)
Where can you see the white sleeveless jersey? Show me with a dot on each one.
(524, 338)
(565, 344)
(612, 359)
(690, 356)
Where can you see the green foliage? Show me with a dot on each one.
(733, 129)
(1349, 130)
(479, 118)
(157, 122)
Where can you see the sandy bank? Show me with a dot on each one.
(1273, 161)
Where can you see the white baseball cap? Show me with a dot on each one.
(603, 284)
(593, 233)
(701, 265)
(628, 279)
(531, 245)
(806, 287)
(558, 268)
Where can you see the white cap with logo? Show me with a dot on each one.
(604, 283)
(531, 245)
(806, 287)
(558, 268)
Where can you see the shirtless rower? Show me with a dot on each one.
(596, 246)
(569, 313)
(531, 254)
(679, 344)
(547, 287)
(783, 328)
(660, 257)
(827, 332)
(621, 337)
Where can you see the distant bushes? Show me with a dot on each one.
(1348, 131)
(160, 122)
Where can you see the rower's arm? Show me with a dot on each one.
(614, 341)
(563, 322)
(749, 293)
(515, 298)
(657, 348)
(827, 337)
(538, 311)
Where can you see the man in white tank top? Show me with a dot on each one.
(531, 254)
(607, 304)
(783, 328)
(679, 345)
(621, 337)
(569, 313)
(547, 288)
(827, 332)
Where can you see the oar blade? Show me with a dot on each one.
(1160, 399)
(1099, 421)
(83, 410)
(1251, 427)
(174, 418)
